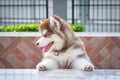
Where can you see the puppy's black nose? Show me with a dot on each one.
(37, 44)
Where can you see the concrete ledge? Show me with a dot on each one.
(76, 33)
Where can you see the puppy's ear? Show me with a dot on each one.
(54, 23)
(41, 22)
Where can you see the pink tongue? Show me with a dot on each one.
(44, 49)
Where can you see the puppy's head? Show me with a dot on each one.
(55, 34)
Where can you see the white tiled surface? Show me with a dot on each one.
(62, 74)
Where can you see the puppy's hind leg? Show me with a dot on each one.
(82, 64)
(46, 64)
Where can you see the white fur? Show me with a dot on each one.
(44, 31)
(62, 58)
(66, 56)
(78, 52)
(70, 55)
(52, 21)
(57, 28)
(58, 42)
(48, 63)
(81, 63)
(44, 41)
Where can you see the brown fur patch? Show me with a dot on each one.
(46, 25)
(79, 43)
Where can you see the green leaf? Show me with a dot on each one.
(35, 28)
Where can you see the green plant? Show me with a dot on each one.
(35, 28)
(78, 28)
(20, 28)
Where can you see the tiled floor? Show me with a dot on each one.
(32, 74)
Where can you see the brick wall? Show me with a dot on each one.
(20, 52)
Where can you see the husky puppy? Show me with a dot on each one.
(60, 48)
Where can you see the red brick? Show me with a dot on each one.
(116, 52)
(10, 58)
(11, 37)
(115, 64)
(16, 51)
(119, 58)
(6, 41)
(110, 67)
(34, 58)
(22, 57)
(101, 38)
(28, 63)
(105, 64)
(27, 51)
(94, 42)
(105, 52)
(110, 58)
(110, 46)
(88, 48)
(22, 45)
(1, 47)
(17, 63)
(88, 38)
(2, 65)
(98, 58)
(32, 38)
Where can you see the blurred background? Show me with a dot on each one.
(96, 15)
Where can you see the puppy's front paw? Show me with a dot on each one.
(41, 67)
(88, 68)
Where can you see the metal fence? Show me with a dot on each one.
(23, 11)
(97, 15)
